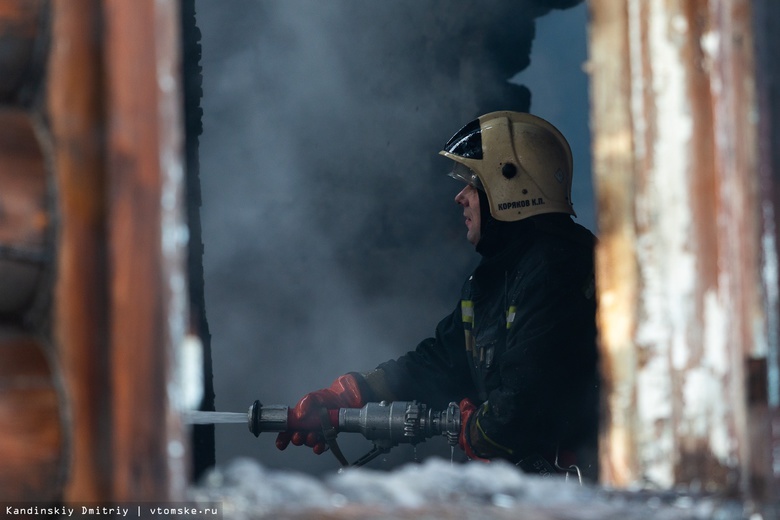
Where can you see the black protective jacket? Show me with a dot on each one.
(522, 339)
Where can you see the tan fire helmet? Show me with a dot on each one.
(522, 163)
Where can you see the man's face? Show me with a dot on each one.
(469, 199)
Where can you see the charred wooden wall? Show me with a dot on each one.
(687, 263)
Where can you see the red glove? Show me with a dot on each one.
(467, 410)
(343, 393)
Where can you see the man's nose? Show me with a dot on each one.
(461, 197)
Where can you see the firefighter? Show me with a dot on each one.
(519, 350)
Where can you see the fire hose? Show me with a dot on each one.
(385, 424)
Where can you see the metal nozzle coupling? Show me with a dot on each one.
(398, 422)
(385, 424)
(401, 422)
(450, 423)
(271, 418)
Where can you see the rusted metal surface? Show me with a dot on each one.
(81, 315)
(682, 308)
(31, 436)
(24, 215)
(147, 291)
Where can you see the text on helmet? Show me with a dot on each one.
(520, 204)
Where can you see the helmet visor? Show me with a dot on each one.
(467, 143)
(463, 173)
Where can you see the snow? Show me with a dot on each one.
(439, 489)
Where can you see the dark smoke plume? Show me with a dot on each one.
(332, 242)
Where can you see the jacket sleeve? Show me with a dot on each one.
(548, 389)
(436, 372)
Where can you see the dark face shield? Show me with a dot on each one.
(467, 143)
(463, 173)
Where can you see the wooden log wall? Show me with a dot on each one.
(32, 402)
(685, 316)
(77, 115)
(93, 290)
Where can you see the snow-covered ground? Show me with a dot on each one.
(438, 489)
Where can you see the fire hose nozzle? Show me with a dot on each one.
(384, 423)
(271, 418)
(276, 418)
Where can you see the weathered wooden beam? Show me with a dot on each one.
(24, 215)
(22, 49)
(146, 246)
(74, 105)
(31, 437)
(729, 55)
(616, 262)
(111, 127)
(682, 308)
(766, 27)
